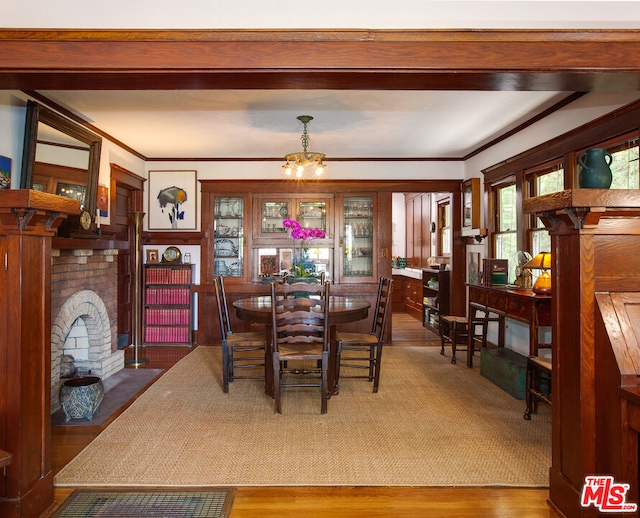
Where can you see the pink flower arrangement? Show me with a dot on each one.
(299, 232)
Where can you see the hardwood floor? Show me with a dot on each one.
(338, 502)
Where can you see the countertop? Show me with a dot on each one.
(414, 273)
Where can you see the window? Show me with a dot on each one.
(444, 228)
(506, 234)
(624, 164)
(545, 180)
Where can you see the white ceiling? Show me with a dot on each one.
(351, 124)
(263, 123)
(325, 14)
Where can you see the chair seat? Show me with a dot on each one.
(457, 319)
(544, 363)
(300, 352)
(356, 338)
(242, 338)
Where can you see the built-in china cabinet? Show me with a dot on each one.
(247, 239)
(276, 249)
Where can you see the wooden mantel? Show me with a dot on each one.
(28, 221)
(24, 210)
(595, 243)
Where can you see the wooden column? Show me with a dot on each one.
(595, 243)
(28, 221)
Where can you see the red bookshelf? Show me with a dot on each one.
(168, 304)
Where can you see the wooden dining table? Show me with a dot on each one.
(342, 310)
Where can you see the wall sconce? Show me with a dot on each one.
(542, 261)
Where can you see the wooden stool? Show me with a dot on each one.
(454, 330)
(481, 317)
(538, 369)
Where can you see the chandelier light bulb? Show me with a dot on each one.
(287, 168)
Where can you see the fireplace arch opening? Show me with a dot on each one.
(86, 309)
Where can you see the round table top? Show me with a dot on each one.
(341, 309)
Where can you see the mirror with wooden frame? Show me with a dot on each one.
(60, 157)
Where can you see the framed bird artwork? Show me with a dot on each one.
(172, 200)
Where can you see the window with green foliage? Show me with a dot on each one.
(545, 180)
(624, 164)
(505, 238)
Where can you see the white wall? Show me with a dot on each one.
(12, 121)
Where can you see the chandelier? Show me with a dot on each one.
(299, 161)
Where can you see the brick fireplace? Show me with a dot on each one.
(84, 297)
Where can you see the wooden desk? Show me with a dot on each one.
(342, 310)
(522, 305)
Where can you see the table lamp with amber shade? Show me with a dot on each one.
(542, 261)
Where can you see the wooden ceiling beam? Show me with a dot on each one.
(385, 60)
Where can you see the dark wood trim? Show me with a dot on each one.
(304, 186)
(172, 238)
(334, 159)
(562, 60)
(529, 122)
(126, 177)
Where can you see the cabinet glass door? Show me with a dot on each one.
(358, 236)
(228, 234)
(313, 214)
(272, 213)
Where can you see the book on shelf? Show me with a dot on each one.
(165, 275)
(167, 296)
(174, 334)
(495, 272)
(167, 316)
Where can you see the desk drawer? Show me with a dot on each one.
(519, 308)
(496, 301)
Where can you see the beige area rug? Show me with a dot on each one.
(431, 424)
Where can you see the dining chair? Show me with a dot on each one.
(240, 351)
(369, 343)
(300, 324)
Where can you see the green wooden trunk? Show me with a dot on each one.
(505, 368)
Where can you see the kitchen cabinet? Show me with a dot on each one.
(413, 297)
(418, 212)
